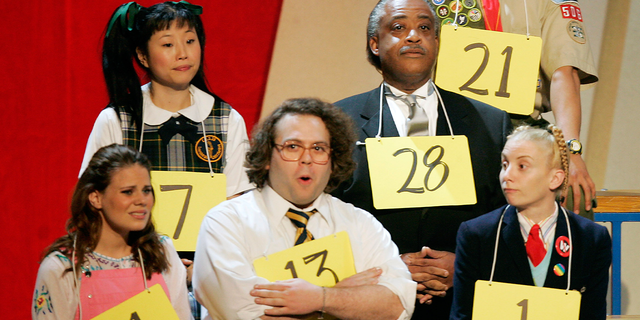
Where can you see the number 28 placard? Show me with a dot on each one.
(410, 172)
(497, 68)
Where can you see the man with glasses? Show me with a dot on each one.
(301, 151)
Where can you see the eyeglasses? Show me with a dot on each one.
(291, 151)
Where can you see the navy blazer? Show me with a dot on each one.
(474, 256)
(486, 129)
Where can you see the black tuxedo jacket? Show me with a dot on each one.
(591, 259)
(411, 229)
(486, 129)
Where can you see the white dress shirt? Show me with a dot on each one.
(254, 225)
(426, 99)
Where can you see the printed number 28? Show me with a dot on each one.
(431, 166)
(502, 91)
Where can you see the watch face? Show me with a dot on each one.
(575, 146)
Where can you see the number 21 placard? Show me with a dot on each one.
(497, 68)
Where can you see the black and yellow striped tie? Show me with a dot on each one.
(300, 220)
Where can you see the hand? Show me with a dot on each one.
(433, 270)
(189, 265)
(579, 177)
(289, 297)
(367, 277)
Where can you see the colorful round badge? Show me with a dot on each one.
(463, 20)
(559, 270)
(469, 3)
(475, 15)
(455, 6)
(563, 247)
(215, 146)
(447, 21)
(442, 11)
(438, 2)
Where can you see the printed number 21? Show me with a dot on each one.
(502, 91)
(185, 207)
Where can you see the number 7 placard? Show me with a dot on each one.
(497, 68)
(410, 172)
(182, 201)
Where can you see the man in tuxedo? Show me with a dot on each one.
(402, 43)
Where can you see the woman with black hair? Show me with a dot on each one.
(174, 119)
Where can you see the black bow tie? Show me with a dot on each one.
(179, 125)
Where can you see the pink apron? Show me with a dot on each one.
(101, 290)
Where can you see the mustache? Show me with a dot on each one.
(413, 47)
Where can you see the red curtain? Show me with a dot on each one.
(52, 90)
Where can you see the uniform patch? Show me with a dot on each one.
(475, 15)
(455, 6)
(438, 2)
(576, 31)
(570, 11)
(463, 20)
(447, 21)
(42, 301)
(563, 247)
(442, 11)
(469, 4)
(214, 144)
(559, 270)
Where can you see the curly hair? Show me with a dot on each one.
(373, 27)
(550, 139)
(85, 224)
(340, 128)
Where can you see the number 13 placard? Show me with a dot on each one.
(497, 68)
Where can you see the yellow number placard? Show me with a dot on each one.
(497, 68)
(145, 305)
(519, 302)
(323, 262)
(182, 201)
(410, 172)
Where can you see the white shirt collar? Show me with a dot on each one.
(424, 91)
(277, 206)
(400, 111)
(200, 108)
(547, 226)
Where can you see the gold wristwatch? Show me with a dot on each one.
(574, 146)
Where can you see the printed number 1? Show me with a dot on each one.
(185, 207)
(134, 316)
(524, 304)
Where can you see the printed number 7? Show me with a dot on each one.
(185, 207)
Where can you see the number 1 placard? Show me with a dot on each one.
(497, 68)
(500, 300)
(182, 201)
(410, 172)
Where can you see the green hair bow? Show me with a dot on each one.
(130, 9)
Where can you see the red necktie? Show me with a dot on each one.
(535, 246)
